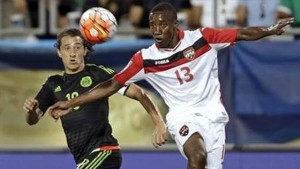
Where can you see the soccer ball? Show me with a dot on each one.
(98, 25)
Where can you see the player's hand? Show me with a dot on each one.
(30, 105)
(57, 113)
(159, 136)
(59, 109)
(277, 29)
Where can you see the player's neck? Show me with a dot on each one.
(74, 71)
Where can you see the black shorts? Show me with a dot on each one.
(104, 159)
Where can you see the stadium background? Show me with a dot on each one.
(260, 86)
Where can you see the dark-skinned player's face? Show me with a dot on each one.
(163, 29)
(72, 53)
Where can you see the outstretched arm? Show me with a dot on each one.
(100, 91)
(104, 89)
(255, 33)
(159, 136)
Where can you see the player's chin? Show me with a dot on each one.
(73, 68)
(160, 44)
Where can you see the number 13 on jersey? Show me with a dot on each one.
(184, 75)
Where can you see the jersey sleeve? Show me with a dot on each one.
(132, 72)
(45, 97)
(105, 73)
(219, 38)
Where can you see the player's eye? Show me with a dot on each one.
(67, 48)
(164, 25)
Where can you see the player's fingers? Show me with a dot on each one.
(53, 114)
(290, 20)
(51, 108)
(28, 106)
(162, 140)
(30, 103)
(25, 108)
(165, 137)
(154, 142)
(158, 140)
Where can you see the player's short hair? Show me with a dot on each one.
(73, 32)
(165, 7)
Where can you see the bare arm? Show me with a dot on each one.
(33, 113)
(104, 89)
(160, 132)
(255, 33)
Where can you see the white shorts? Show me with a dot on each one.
(213, 133)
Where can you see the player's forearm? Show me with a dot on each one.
(253, 33)
(156, 118)
(100, 91)
(150, 107)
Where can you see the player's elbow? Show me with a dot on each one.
(31, 122)
(140, 94)
(32, 119)
(135, 92)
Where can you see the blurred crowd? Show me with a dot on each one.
(132, 15)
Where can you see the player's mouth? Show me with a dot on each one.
(73, 61)
(158, 40)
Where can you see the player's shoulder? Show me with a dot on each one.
(193, 34)
(55, 77)
(54, 80)
(96, 69)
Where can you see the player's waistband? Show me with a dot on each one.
(106, 148)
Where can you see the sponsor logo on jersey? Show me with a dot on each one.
(184, 130)
(57, 89)
(189, 53)
(86, 81)
(161, 62)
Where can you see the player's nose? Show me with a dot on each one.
(72, 53)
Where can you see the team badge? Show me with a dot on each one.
(86, 81)
(184, 130)
(189, 53)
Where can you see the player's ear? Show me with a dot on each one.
(58, 53)
(176, 23)
(85, 51)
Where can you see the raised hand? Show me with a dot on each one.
(277, 29)
(30, 105)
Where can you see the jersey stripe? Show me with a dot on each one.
(200, 47)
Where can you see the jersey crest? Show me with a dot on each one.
(86, 81)
(189, 53)
(184, 130)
